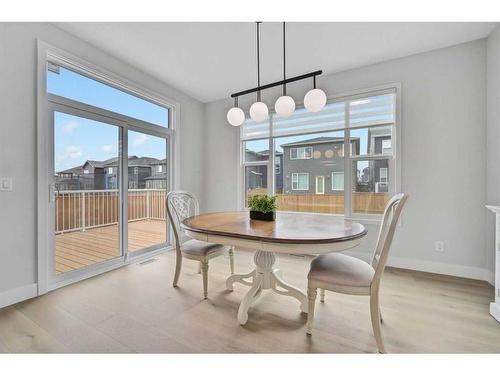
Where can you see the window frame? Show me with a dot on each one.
(304, 153)
(394, 159)
(333, 180)
(46, 104)
(322, 184)
(297, 175)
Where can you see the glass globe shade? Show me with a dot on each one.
(284, 106)
(315, 100)
(235, 116)
(259, 111)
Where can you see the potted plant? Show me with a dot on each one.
(262, 207)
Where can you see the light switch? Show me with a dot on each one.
(6, 184)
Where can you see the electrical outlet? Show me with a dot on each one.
(439, 246)
(6, 184)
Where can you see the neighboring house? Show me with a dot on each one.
(158, 178)
(256, 176)
(143, 172)
(315, 166)
(139, 168)
(73, 179)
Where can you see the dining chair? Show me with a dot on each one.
(348, 275)
(180, 206)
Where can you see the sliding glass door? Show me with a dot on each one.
(147, 165)
(109, 170)
(85, 200)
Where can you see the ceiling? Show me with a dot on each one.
(209, 61)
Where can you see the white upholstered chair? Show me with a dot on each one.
(180, 206)
(348, 275)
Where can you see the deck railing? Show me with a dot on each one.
(83, 209)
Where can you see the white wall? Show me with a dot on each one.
(443, 154)
(493, 140)
(18, 141)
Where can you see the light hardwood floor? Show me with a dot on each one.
(135, 309)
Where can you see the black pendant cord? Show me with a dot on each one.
(258, 61)
(284, 59)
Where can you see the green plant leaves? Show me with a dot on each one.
(262, 203)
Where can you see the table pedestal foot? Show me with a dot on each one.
(265, 276)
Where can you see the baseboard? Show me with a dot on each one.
(467, 272)
(9, 297)
(495, 311)
(457, 270)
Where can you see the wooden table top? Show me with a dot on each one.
(296, 228)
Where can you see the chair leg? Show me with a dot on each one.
(376, 318)
(322, 295)
(199, 268)
(231, 259)
(204, 271)
(178, 265)
(311, 296)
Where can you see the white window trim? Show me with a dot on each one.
(333, 180)
(297, 175)
(110, 170)
(322, 178)
(45, 53)
(394, 158)
(304, 153)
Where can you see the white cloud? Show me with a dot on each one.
(140, 139)
(108, 149)
(69, 126)
(74, 152)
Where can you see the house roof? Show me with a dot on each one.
(318, 140)
(133, 161)
(263, 152)
(75, 170)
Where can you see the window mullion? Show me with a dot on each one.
(347, 164)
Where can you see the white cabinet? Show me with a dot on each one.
(495, 306)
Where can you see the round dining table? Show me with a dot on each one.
(290, 233)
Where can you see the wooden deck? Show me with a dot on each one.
(79, 249)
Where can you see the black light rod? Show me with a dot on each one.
(278, 83)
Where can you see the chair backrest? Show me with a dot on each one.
(180, 206)
(386, 233)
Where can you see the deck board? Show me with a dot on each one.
(79, 249)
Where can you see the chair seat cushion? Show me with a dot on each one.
(195, 247)
(340, 269)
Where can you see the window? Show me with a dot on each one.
(300, 181)
(69, 84)
(86, 171)
(159, 168)
(337, 181)
(301, 153)
(136, 170)
(320, 184)
(386, 147)
(110, 170)
(383, 175)
(350, 148)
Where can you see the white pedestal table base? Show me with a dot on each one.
(265, 276)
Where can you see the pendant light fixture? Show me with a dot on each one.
(236, 116)
(285, 105)
(315, 99)
(259, 111)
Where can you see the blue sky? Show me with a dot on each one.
(78, 139)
